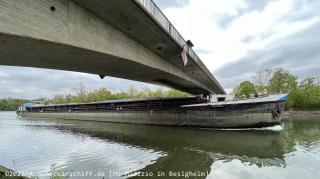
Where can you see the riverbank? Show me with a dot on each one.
(8, 173)
(301, 115)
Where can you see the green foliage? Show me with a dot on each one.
(58, 99)
(282, 81)
(100, 94)
(81, 94)
(175, 93)
(56, 173)
(245, 88)
(261, 88)
(305, 96)
(262, 80)
(11, 104)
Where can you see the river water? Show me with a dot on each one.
(97, 150)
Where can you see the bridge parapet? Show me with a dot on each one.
(157, 15)
(153, 10)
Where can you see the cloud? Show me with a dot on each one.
(237, 39)
(297, 52)
(227, 18)
(163, 4)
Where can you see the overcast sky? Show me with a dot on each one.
(235, 39)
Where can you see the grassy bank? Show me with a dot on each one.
(6, 173)
(55, 173)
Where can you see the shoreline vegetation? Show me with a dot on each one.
(54, 173)
(80, 94)
(304, 94)
(6, 173)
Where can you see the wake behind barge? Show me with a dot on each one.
(216, 112)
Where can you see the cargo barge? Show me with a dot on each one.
(216, 111)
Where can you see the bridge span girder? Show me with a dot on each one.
(75, 36)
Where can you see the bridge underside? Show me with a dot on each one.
(20, 51)
(77, 36)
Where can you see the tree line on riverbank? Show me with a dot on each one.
(303, 94)
(81, 94)
(11, 104)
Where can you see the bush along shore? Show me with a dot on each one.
(54, 173)
(6, 173)
(304, 94)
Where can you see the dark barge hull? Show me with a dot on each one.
(167, 112)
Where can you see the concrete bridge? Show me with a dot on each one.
(129, 39)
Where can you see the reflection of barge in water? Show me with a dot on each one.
(178, 111)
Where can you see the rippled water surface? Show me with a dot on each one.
(97, 150)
